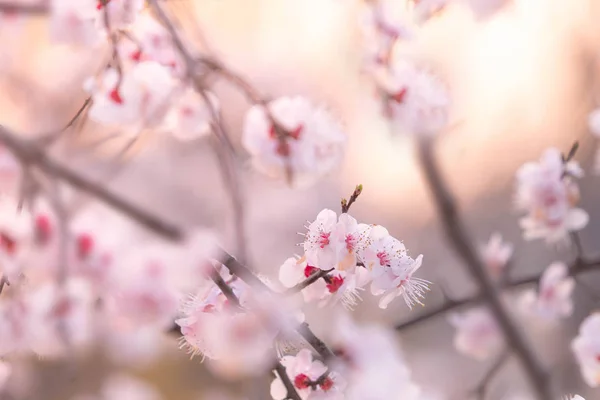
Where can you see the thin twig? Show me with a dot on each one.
(224, 287)
(482, 387)
(308, 281)
(346, 204)
(48, 139)
(292, 394)
(43, 7)
(459, 239)
(3, 281)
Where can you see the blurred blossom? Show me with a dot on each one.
(547, 191)
(371, 363)
(123, 387)
(586, 347)
(190, 117)
(486, 8)
(496, 253)
(594, 122)
(477, 333)
(5, 372)
(553, 297)
(307, 141)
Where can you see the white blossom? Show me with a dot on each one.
(586, 347)
(477, 333)
(553, 298)
(496, 253)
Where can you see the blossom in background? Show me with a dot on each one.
(547, 192)
(477, 333)
(5, 372)
(190, 117)
(306, 141)
(310, 379)
(586, 347)
(553, 298)
(594, 122)
(486, 8)
(139, 98)
(415, 100)
(496, 253)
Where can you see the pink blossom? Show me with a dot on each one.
(486, 8)
(594, 122)
(586, 347)
(139, 99)
(121, 387)
(416, 100)
(496, 253)
(5, 371)
(313, 142)
(309, 377)
(477, 334)
(547, 192)
(553, 298)
(75, 22)
(190, 117)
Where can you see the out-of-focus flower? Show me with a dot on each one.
(486, 8)
(139, 98)
(553, 299)
(416, 100)
(311, 145)
(190, 117)
(61, 317)
(496, 254)
(309, 377)
(16, 233)
(74, 22)
(5, 371)
(547, 192)
(586, 347)
(594, 122)
(477, 334)
(121, 387)
(371, 363)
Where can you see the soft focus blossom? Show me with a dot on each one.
(124, 387)
(548, 194)
(190, 117)
(75, 22)
(594, 122)
(139, 98)
(371, 362)
(486, 8)
(306, 142)
(477, 333)
(553, 298)
(5, 371)
(416, 100)
(309, 377)
(586, 347)
(496, 253)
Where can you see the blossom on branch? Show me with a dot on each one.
(548, 193)
(293, 137)
(553, 298)
(477, 333)
(586, 347)
(496, 253)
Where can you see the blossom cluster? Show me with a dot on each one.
(348, 255)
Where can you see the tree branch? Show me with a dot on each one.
(292, 394)
(308, 281)
(459, 239)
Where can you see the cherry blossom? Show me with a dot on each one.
(496, 253)
(190, 117)
(139, 98)
(416, 100)
(309, 377)
(16, 233)
(120, 386)
(553, 299)
(75, 22)
(304, 139)
(477, 334)
(392, 269)
(5, 371)
(586, 347)
(547, 192)
(594, 122)
(486, 8)
(371, 362)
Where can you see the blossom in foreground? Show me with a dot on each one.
(190, 117)
(138, 99)
(305, 141)
(414, 99)
(496, 253)
(310, 379)
(120, 387)
(553, 298)
(477, 333)
(594, 122)
(547, 192)
(586, 347)
(371, 363)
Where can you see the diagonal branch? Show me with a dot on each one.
(292, 394)
(459, 239)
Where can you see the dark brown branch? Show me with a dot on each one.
(225, 288)
(3, 281)
(315, 342)
(308, 281)
(41, 8)
(577, 268)
(458, 238)
(346, 204)
(292, 394)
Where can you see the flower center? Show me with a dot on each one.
(323, 239)
(302, 381)
(384, 258)
(334, 283)
(309, 270)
